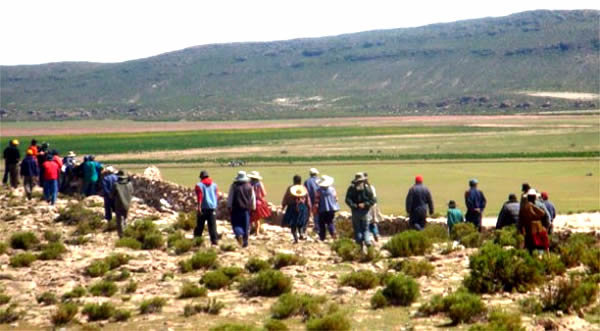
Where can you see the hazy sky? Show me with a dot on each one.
(118, 30)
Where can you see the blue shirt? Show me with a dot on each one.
(327, 199)
(312, 187)
(474, 199)
(107, 184)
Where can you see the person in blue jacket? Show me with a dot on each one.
(475, 202)
(29, 171)
(108, 182)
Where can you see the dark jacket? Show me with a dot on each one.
(551, 210)
(29, 167)
(418, 199)
(474, 199)
(121, 194)
(509, 214)
(241, 196)
(12, 155)
(355, 197)
(108, 182)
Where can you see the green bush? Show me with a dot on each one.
(268, 283)
(183, 246)
(212, 306)
(117, 276)
(88, 226)
(9, 314)
(189, 290)
(231, 272)
(500, 321)
(185, 221)
(52, 236)
(348, 250)
(116, 260)
(76, 213)
(215, 280)
(436, 232)
(4, 299)
(413, 268)
(591, 259)
(76, 292)
(275, 325)
(103, 288)
(255, 264)
(290, 304)
(153, 305)
(3, 247)
(361, 280)
(283, 260)
(23, 240)
(233, 327)
(332, 322)
(401, 290)
(47, 298)
(466, 234)
(575, 248)
(145, 232)
(552, 264)
(121, 315)
(111, 226)
(495, 269)
(569, 294)
(52, 251)
(200, 260)
(531, 306)
(131, 287)
(344, 228)
(77, 240)
(98, 312)
(22, 260)
(64, 313)
(129, 243)
(460, 306)
(228, 247)
(97, 268)
(378, 300)
(153, 241)
(408, 243)
(509, 236)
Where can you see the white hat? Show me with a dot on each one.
(325, 181)
(71, 154)
(255, 175)
(241, 177)
(313, 171)
(298, 190)
(531, 192)
(111, 169)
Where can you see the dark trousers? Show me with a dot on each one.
(89, 188)
(326, 223)
(474, 217)
(208, 216)
(109, 207)
(50, 190)
(121, 222)
(297, 230)
(240, 222)
(11, 172)
(28, 185)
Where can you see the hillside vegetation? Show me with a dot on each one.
(474, 66)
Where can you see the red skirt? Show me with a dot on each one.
(262, 211)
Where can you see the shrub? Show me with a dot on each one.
(509, 236)
(228, 247)
(591, 259)
(52, 251)
(23, 240)
(231, 272)
(436, 232)
(118, 276)
(153, 305)
(215, 280)
(185, 221)
(4, 299)
(116, 260)
(153, 241)
(74, 214)
(334, 322)
(283, 260)
(233, 327)
(103, 288)
(552, 264)
(173, 237)
(574, 249)
(47, 298)
(500, 321)
(268, 283)
(378, 300)
(495, 269)
(64, 313)
(9, 314)
(275, 325)
(531, 306)
(466, 234)
(200, 260)
(212, 306)
(145, 232)
(362, 280)
(408, 243)
(304, 305)
(52, 236)
(22, 260)
(129, 243)
(189, 290)
(569, 294)
(460, 306)
(97, 268)
(98, 312)
(255, 265)
(401, 290)
(76, 292)
(348, 250)
(121, 315)
(413, 268)
(131, 287)
(3, 247)
(110, 226)
(77, 241)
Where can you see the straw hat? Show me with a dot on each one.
(111, 170)
(531, 192)
(298, 191)
(71, 154)
(359, 177)
(325, 181)
(29, 151)
(313, 171)
(255, 175)
(15, 142)
(241, 177)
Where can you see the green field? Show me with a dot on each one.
(564, 180)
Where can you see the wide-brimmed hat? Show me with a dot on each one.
(71, 154)
(298, 190)
(531, 192)
(325, 181)
(255, 175)
(111, 170)
(359, 177)
(29, 151)
(473, 181)
(241, 177)
(313, 171)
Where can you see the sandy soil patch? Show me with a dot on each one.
(564, 95)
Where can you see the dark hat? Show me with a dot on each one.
(452, 204)
(512, 197)
(525, 187)
(49, 157)
(203, 174)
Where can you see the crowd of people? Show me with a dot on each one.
(316, 199)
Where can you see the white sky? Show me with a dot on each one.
(40, 31)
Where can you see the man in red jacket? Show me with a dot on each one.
(50, 173)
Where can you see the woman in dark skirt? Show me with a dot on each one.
(297, 205)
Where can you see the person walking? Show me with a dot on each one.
(326, 206)
(296, 203)
(262, 209)
(312, 186)
(68, 173)
(418, 200)
(360, 199)
(475, 202)
(207, 194)
(108, 182)
(29, 171)
(373, 212)
(50, 171)
(509, 214)
(11, 164)
(41, 158)
(550, 209)
(530, 224)
(121, 194)
(240, 202)
(91, 170)
(453, 216)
